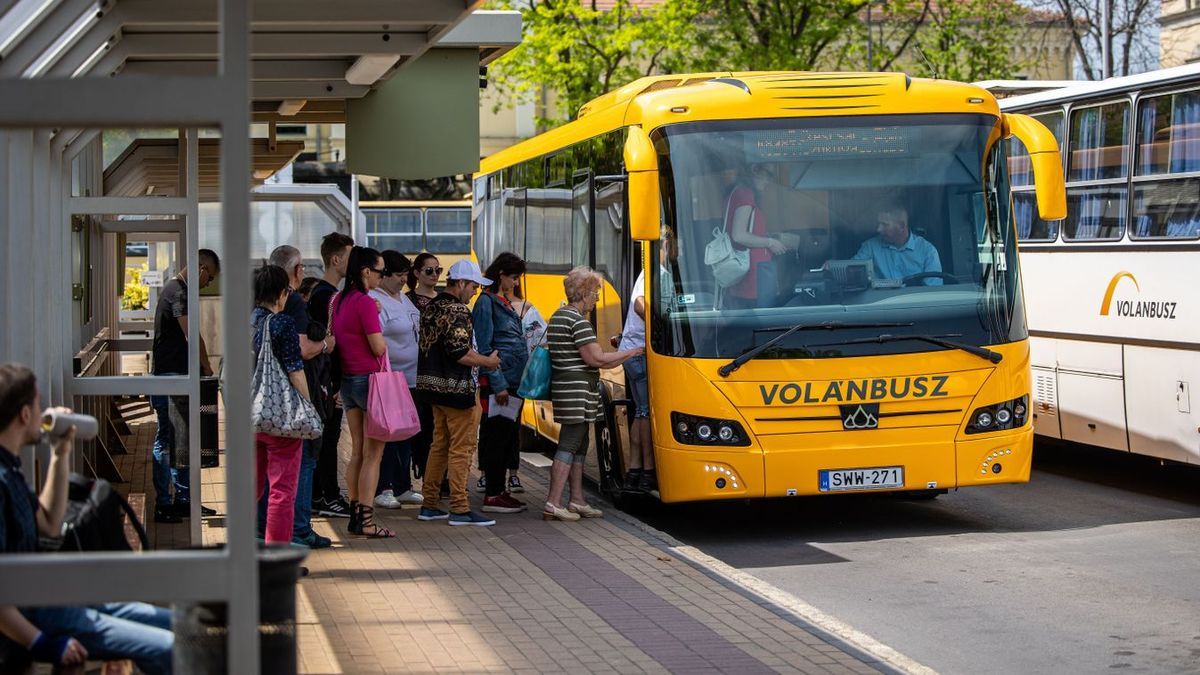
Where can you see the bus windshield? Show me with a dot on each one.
(899, 221)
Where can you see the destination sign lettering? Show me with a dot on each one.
(784, 144)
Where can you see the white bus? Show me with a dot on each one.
(1113, 291)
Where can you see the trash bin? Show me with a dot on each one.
(201, 628)
(209, 450)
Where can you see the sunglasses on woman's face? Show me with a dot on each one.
(381, 272)
(432, 270)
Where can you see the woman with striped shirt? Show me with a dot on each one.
(576, 359)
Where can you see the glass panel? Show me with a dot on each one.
(1169, 134)
(398, 229)
(1095, 213)
(581, 222)
(448, 230)
(1099, 148)
(548, 229)
(1030, 227)
(871, 220)
(1020, 172)
(1168, 209)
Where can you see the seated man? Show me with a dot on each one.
(61, 635)
(897, 252)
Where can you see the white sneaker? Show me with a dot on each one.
(386, 500)
(410, 497)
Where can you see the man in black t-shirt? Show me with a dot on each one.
(171, 358)
(327, 497)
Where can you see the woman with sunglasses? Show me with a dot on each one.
(498, 328)
(354, 319)
(423, 279)
(422, 289)
(401, 322)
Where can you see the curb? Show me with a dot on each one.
(787, 603)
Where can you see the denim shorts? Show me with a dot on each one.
(354, 391)
(635, 383)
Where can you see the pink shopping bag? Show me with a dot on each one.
(391, 413)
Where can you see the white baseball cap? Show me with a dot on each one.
(467, 270)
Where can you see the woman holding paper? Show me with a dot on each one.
(498, 328)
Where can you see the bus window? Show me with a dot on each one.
(448, 230)
(1030, 227)
(865, 223)
(1095, 213)
(1169, 134)
(398, 229)
(1098, 142)
(1166, 209)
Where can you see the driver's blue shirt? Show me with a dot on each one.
(917, 255)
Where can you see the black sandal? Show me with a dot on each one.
(367, 527)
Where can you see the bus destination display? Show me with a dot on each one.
(785, 144)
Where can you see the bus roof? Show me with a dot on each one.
(663, 99)
(1113, 85)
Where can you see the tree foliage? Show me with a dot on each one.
(968, 40)
(1132, 47)
(579, 51)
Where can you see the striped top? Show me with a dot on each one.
(573, 391)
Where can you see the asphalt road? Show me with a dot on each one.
(1093, 566)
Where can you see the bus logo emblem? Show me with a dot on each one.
(860, 417)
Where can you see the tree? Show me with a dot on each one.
(968, 40)
(1131, 40)
(579, 51)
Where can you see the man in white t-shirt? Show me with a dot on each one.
(641, 475)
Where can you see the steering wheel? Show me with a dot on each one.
(912, 278)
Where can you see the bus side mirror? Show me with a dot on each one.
(641, 162)
(1046, 163)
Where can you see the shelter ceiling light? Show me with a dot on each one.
(370, 67)
(291, 106)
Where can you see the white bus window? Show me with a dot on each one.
(1168, 209)
(1169, 134)
(398, 229)
(448, 230)
(1030, 227)
(1098, 143)
(1020, 172)
(1095, 213)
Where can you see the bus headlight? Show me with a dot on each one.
(1000, 416)
(696, 430)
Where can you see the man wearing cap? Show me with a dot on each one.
(447, 378)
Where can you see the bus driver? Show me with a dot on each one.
(897, 252)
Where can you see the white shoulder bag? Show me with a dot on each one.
(729, 265)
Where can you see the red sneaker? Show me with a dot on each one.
(502, 503)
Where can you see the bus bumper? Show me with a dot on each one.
(996, 458)
(701, 475)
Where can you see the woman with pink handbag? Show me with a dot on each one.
(401, 322)
(354, 320)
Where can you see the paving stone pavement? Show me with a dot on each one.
(524, 596)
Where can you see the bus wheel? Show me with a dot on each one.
(608, 458)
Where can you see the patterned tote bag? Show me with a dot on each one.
(276, 408)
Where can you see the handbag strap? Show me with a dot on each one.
(729, 216)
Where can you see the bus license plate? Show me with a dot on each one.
(876, 478)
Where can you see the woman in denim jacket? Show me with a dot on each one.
(498, 327)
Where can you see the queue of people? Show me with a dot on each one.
(463, 365)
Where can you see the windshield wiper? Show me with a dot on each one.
(940, 340)
(733, 365)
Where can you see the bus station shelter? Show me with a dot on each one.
(218, 76)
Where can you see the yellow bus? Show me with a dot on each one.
(849, 354)
(441, 227)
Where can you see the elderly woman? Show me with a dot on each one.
(576, 359)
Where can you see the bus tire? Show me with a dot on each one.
(608, 452)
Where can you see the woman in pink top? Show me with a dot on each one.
(354, 320)
(747, 227)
